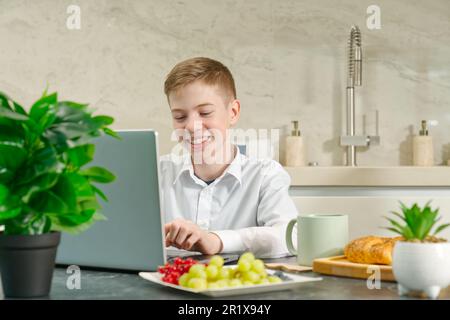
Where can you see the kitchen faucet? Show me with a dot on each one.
(351, 141)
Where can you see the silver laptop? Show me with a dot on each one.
(132, 237)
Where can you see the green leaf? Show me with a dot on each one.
(12, 115)
(45, 100)
(8, 103)
(408, 233)
(12, 156)
(65, 190)
(394, 230)
(3, 193)
(48, 202)
(81, 186)
(111, 133)
(56, 139)
(5, 101)
(41, 183)
(103, 120)
(47, 120)
(99, 192)
(441, 227)
(10, 206)
(44, 160)
(89, 205)
(6, 175)
(45, 91)
(58, 226)
(81, 155)
(73, 105)
(10, 214)
(70, 130)
(98, 174)
(73, 218)
(19, 109)
(71, 112)
(28, 224)
(398, 215)
(395, 223)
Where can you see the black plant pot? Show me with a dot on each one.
(27, 263)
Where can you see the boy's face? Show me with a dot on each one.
(204, 114)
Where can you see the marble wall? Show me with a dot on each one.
(288, 58)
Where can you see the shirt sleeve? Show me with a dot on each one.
(275, 210)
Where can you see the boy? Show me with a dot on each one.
(215, 199)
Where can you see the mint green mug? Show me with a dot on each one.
(318, 236)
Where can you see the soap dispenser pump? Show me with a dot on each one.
(423, 152)
(295, 150)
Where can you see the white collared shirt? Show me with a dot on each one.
(248, 206)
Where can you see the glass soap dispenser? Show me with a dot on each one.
(423, 153)
(295, 149)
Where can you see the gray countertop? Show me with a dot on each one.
(121, 285)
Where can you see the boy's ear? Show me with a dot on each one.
(235, 111)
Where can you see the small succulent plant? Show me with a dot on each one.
(416, 223)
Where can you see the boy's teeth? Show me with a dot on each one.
(198, 141)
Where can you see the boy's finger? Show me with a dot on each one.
(183, 234)
(174, 229)
(191, 241)
(167, 227)
(167, 241)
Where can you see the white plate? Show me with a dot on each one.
(297, 280)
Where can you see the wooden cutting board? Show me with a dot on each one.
(340, 266)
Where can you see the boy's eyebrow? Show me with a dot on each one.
(197, 106)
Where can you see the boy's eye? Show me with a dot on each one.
(205, 113)
(179, 118)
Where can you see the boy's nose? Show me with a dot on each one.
(194, 125)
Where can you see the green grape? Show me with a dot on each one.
(213, 285)
(263, 274)
(274, 279)
(247, 256)
(244, 265)
(233, 272)
(235, 283)
(201, 274)
(197, 271)
(247, 283)
(251, 276)
(258, 266)
(263, 281)
(216, 261)
(197, 283)
(196, 267)
(223, 283)
(223, 273)
(212, 271)
(183, 280)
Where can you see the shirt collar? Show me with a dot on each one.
(234, 169)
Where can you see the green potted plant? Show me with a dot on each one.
(421, 261)
(44, 186)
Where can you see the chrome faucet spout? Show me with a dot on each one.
(354, 78)
(354, 58)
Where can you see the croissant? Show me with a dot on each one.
(371, 250)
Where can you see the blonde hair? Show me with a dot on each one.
(210, 71)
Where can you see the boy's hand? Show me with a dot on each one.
(186, 235)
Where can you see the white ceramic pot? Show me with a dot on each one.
(421, 267)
